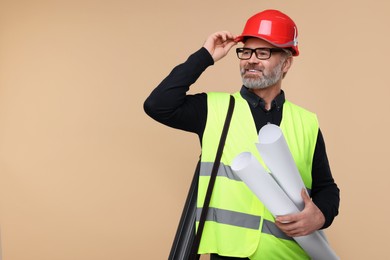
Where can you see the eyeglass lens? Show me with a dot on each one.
(261, 53)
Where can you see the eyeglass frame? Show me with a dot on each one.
(271, 50)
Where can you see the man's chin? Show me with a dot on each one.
(252, 83)
(256, 85)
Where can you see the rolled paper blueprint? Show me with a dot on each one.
(260, 182)
(276, 155)
(316, 246)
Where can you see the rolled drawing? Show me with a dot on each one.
(276, 155)
(267, 190)
(260, 182)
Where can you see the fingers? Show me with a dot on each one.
(287, 218)
(287, 224)
(303, 223)
(292, 229)
(225, 36)
(215, 39)
(219, 44)
(218, 39)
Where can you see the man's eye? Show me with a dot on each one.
(262, 53)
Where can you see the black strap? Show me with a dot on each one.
(194, 250)
(185, 233)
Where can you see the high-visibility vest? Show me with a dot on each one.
(237, 223)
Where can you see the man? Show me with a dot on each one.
(238, 225)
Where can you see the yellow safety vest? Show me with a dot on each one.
(238, 224)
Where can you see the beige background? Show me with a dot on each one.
(85, 174)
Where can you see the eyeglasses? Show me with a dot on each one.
(261, 53)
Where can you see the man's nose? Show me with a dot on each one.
(253, 58)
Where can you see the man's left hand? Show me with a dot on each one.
(303, 223)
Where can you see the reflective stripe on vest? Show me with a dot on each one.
(238, 219)
(232, 227)
(224, 171)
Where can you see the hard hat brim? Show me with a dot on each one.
(242, 38)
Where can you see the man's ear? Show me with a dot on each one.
(287, 64)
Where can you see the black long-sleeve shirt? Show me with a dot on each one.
(170, 104)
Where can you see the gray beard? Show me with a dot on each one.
(262, 82)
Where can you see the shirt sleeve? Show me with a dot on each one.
(169, 102)
(325, 193)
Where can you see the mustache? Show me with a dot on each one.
(252, 67)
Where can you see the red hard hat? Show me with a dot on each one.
(274, 27)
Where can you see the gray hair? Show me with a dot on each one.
(287, 53)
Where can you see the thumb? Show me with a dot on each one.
(305, 196)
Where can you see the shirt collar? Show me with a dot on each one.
(256, 101)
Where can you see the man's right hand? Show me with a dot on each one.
(219, 44)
